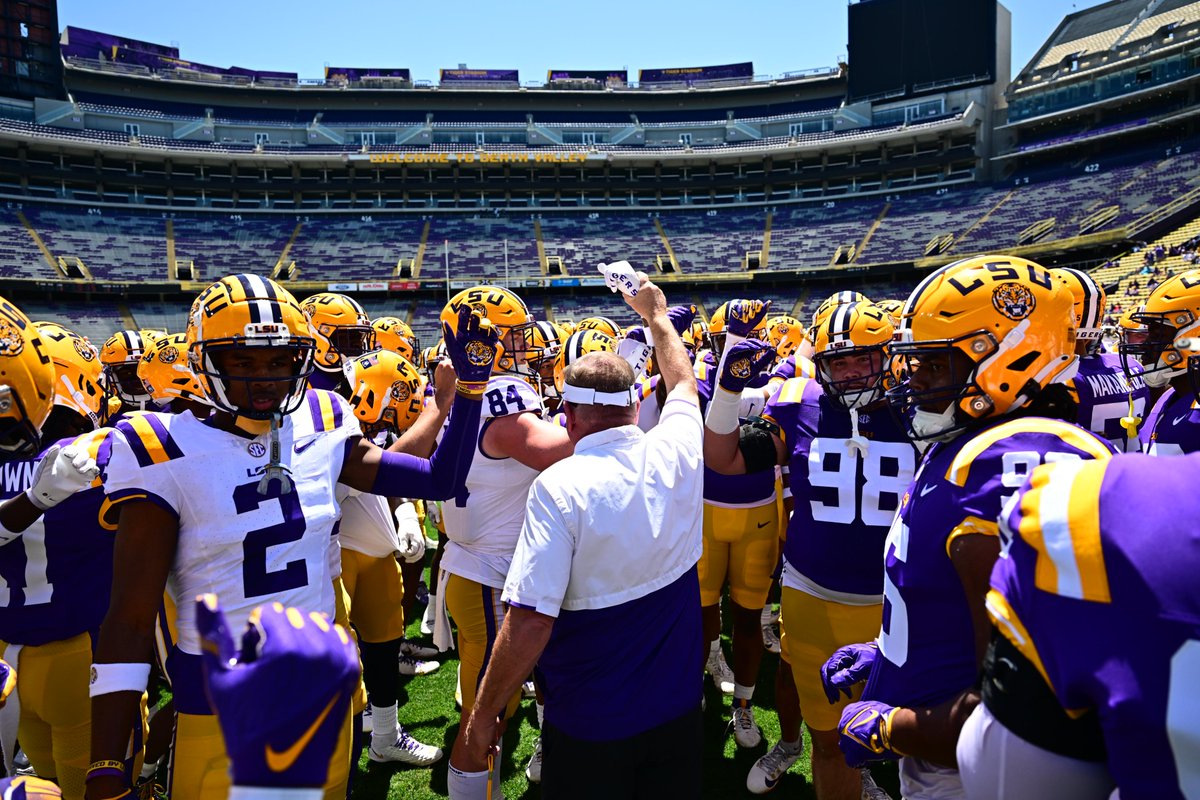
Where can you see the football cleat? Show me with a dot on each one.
(406, 750)
(533, 770)
(415, 666)
(870, 789)
(745, 731)
(719, 671)
(771, 639)
(418, 651)
(766, 772)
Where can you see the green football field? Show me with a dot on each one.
(427, 710)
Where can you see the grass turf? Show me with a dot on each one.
(427, 711)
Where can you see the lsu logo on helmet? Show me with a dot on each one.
(1013, 301)
(11, 340)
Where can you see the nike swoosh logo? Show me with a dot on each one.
(281, 762)
(770, 784)
(1181, 419)
(300, 448)
(927, 489)
(763, 524)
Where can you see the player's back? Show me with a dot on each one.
(1100, 578)
(1103, 393)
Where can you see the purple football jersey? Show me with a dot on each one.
(1103, 391)
(1098, 588)
(1173, 427)
(928, 638)
(751, 489)
(56, 577)
(844, 502)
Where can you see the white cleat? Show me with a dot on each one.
(415, 666)
(722, 675)
(770, 639)
(406, 750)
(745, 731)
(766, 772)
(533, 770)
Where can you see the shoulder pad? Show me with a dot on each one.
(149, 437)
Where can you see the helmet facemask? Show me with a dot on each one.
(949, 377)
(858, 390)
(1157, 351)
(207, 354)
(19, 436)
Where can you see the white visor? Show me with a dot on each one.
(590, 397)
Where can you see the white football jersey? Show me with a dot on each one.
(483, 522)
(367, 525)
(247, 548)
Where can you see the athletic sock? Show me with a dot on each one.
(385, 730)
(743, 692)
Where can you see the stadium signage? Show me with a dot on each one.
(742, 70)
(402, 286)
(342, 287)
(475, 158)
(373, 286)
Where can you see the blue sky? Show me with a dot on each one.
(304, 35)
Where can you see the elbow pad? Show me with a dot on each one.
(757, 444)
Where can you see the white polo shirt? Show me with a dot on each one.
(619, 519)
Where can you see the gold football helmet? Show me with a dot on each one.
(78, 384)
(1171, 315)
(548, 341)
(119, 359)
(718, 328)
(1090, 303)
(785, 334)
(602, 324)
(393, 333)
(340, 328)
(385, 391)
(249, 311)
(512, 320)
(26, 384)
(979, 338)
(851, 354)
(579, 344)
(166, 372)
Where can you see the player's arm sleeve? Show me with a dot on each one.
(541, 565)
(442, 475)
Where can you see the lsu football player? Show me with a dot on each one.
(1094, 668)
(56, 551)
(513, 443)
(1171, 317)
(986, 346)
(548, 341)
(120, 355)
(386, 395)
(168, 379)
(342, 330)
(741, 528)
(1110, 403)
(26, 384)
(602, 324)
(849, 464)
(242, 505)
(395, 335)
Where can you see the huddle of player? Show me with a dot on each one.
(969, 581)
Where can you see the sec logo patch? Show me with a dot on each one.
(256, 449)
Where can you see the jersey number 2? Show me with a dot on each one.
(256, 577)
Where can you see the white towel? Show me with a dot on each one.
(443, 637)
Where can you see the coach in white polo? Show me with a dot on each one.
(603, 589)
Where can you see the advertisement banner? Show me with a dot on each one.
(402, 286)
(373, 286)
(478, 75)
(689, 74)
(564, 281)
(356, 74)
(618, 77)
(341, 287)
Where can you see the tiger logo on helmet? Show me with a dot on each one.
(27, 381)
(340, 328)
(166, 373)
(119, 356)
(243, 311)
(974, 320)
(579, 344)
(1171, 322)
(508, 313)
(851, 354)
(786, 334)
(386, 391)
(394, 334)
(78, 384)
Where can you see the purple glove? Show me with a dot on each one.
(743, 362)
(743, 316)
(681, 317)
(473, 348)
(282, 700)
(637, 334)
(846, 667)
(866, 733)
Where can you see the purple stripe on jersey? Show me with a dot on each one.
(616, 672)
(337, 414)
(314, 408)
(164, 437)
(135, 444)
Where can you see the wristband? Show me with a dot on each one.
(111, 678)
(104, 772)
(471, 389)
(722, 415)
(106, 764)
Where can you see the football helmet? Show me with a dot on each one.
(430, 357)
(893, 308)
(579, 344)
(249, 311)
(982, 336)
(393, 333)
(1090, 303)
(1130, 332)
(512, 320)
(548, 341)
(1171, 313)
(718, 329)
(785, 334)
(119, 359)
(340, 328)
(166, 373)
(78, 384)
(860, 332)
(602, 324)
(385, 390)
(26, 384)
(835, 300)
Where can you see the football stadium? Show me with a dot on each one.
(859, 260)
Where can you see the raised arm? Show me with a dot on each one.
(669, 352)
